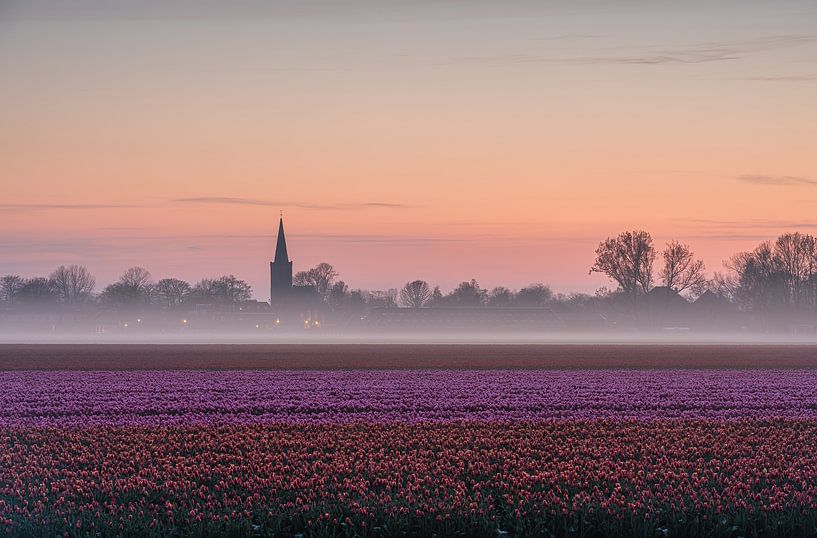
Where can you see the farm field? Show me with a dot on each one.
(496, 450)
(401, 356)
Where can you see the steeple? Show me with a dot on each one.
(281, 246)
(280, 270)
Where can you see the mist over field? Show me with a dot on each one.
(407, 337)
(769, 294)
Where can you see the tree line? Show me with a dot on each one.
(776, 277)
(75, 285)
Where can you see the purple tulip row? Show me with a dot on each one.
(155, 398)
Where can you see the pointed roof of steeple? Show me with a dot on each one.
(281, 246)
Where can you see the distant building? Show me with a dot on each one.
(715, 312)
(280, 269)
(663, 308)
(286, 300)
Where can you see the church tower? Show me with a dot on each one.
(280, 269)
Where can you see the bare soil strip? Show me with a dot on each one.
(398, 356)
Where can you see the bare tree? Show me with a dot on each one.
(681, 271)
(382, 298)
(725, 285)
(762, 284)
(627, 259)
(302, 278)
(224, 290)
(778, 278)
(9, 286)
(133, 288)
(73, 284)
(534, 295)
(500, 296)
(320, 277)
(338, 295)
(415, 294)
(38, 290)
(136, 277)
(171, 291)
(436, 298)
(121, 295)
(466, 294)
(233, 289)
(797, 255)
(323, 275)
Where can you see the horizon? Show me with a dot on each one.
(503, 145)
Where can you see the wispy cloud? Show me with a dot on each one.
(753, 224)
(694, 54)
(46, 207)
(107, 247)
(695, 57)
(782, 181)
(739, 230)
(227, 200)
(787, 78)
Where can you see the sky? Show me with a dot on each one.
(436, 139)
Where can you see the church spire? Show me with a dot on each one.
(281, 246)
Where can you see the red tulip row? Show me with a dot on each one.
(580, 477)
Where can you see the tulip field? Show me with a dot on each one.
(402, 452)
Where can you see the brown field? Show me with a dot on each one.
(399, 356)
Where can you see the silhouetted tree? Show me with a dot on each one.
(225, 290)
(320, 277)
(202, 291)
(436, 298)
(73, 284)
(9, 287)
(466, 294)
(338, 295)
(382, 298)
(38, 290)
(681, 271)
(171, 292)
(762, 283)
(415, 294)
(627, 259)
(137, 278)
(232, 289)
(778, 278)
(725, 285)
(356, 301)
(535, 295)
(133, 288)
(500, 296)
(119, 294)
(797, 256)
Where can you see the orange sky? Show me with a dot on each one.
(430, 140)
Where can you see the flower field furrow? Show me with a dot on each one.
(579, 477)
(157, 398)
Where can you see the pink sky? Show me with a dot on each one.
(443, 141)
